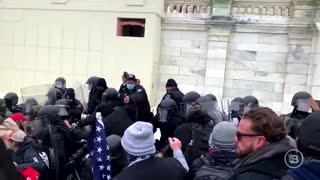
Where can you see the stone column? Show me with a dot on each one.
(299, 70)
(219, 34)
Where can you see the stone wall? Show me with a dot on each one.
(267, 49)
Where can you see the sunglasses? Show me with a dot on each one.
(239, 135)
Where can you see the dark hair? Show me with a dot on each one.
(267, 123)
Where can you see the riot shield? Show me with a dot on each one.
(39, 92)
(212, 109)
(81, 93)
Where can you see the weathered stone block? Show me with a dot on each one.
(269, 77)
(239, 74)
(171, 34)
(297, 68)
(216, 82)
(194, 35)
(244, 38)
(192, 71)
(296, 79)
(217, 53)
(279, 87)
(215, 73)
(241, 55)
(268, 96)
(271, 57)
(232, 92)
(292, 89)
(176, 43)
(212, 63)
(217, 45)
(167, 51)
(192, 52)
(167, 69)
(276, 39)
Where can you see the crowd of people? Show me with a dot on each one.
(112, 136)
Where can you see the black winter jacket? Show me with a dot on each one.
(266, 163)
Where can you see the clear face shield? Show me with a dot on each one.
(303, 105)
(249, 107)
(59, 84)
(37, 128)
(184, 108)
(212, 109)
(163, 115)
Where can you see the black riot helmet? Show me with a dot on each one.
(187, 100)
(54, 95)
(300, 101)
(212, 97)
(11, 99)
(28, 105)
(251, 100)
(64, 108)
(49, 113)
(167, 111)
(110, 94)
(237, 104)
(60, 83)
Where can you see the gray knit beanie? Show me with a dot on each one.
(222, 136)
(138, 139)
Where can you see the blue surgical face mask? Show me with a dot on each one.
(130, 86)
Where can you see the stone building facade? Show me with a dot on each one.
(266, 48)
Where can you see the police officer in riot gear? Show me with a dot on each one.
(51, 131)
(54, 95)
(250, 103)
(236, 110)
(167, 119)
(303, 103)
(11, 100)
(212, 97)
(28, 105)
(136, 94)
(187, 100)
(60, 83)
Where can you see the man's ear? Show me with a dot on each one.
(261, 141)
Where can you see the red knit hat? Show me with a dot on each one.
(30, 174)
(18, 117)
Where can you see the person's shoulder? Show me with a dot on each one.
(251, 175)
(140, 88)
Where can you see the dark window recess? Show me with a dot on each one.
(131, 27)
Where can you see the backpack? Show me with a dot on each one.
(200, 138)
(209, 172)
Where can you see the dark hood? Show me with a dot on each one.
(198, 117)
(267, 160)
(28, 143)
(308, 171)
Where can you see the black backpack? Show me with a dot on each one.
(209, 172)
(200, 138)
